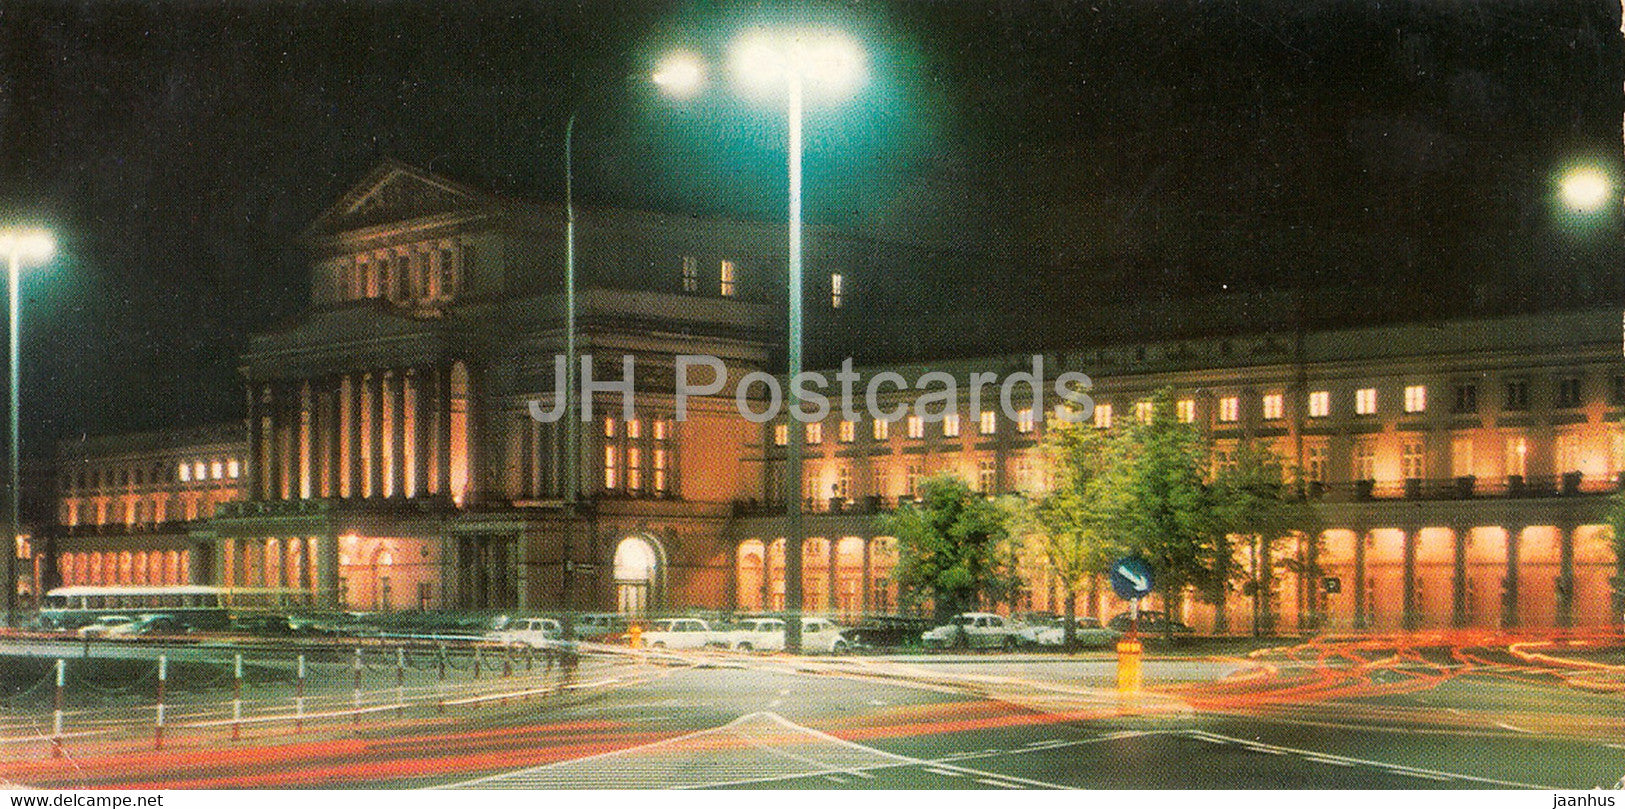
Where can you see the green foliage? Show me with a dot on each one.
(1167, 514)
(953, 546)
(1255, 506)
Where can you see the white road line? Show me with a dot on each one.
(948, 773)
(1045, 741)
(1513, 728)
(836, 778)
(999, 784)
(1333, 761)
(1393, 768)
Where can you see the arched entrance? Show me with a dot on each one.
(637, 574)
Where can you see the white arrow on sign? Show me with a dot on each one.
(1138, 582)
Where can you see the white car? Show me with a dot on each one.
(1089, 632)
(767, 634)
(527, 633)
(974, 629)
(679, 633)
(100, 627)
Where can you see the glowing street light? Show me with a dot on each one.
(680, 74)
(32, 246)
(827, 64)
(1585, 190)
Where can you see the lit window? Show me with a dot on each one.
(232, 470)
(1320, 404)
(634, 428)
(837, 290)
(186, 473)
(1024, 420)
(660, 469)
(984, 476)
(916, 427)
(611, 476)
(849, 431)
(216, 470)
(1103, 415)
(842, 487)
(1416, 398)
(882, 429)
(815, 433)
(1365, 461)
(728, 279)
(950, 425)
(911, 480)
(1411, 460)
(634, 469)
(988, 422)
(198, 471)
(1230, 409)
(1143, 411)
(662, 429)
(1187, 410)
(1517, 455)
(1315, 466)
(609, 428)
(691, 274)
(1273, 405)
(781, 434)
(1365, 401)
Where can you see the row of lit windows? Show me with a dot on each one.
(1272, 406)
(987, 423)
(728, 281)
(417, 272)
(102, 477)
(637, 455)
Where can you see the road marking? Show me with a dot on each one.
(1323, 760)
(1045, 741)
(999, 784)
(1393, 768)
(1513, 728)
(836, 778)
(942, 772)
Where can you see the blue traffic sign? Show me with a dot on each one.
(1131, 578)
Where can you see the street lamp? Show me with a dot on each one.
(823, 63)
(33, 246)
(1585, 189)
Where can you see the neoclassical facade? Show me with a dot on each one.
(389, 458)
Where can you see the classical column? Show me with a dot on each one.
(378, 390)
(422, 406)
(1509, 585)
(271, 427)
(1360, 619)
(832, 601)
(1458, 579)
(1411, 619)
(868, 575)
(1565, 576)
(440, 479)
(327, 551)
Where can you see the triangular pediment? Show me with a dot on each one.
(395, 192)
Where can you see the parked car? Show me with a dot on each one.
(887, 631)
(767, 634)
(148, 624)
(974, 629)
(599, 626)
(679, 633)
(1086, 632)
(1152, 622)
(526, 633)
(102, 625)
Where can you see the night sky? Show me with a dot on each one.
(1145, 149)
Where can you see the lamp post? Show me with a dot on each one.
(797, 61)
(19, 245)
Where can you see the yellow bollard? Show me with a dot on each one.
(1129, 677)
(634, 635)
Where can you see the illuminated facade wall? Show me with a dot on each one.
(390, 460)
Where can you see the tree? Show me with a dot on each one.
(1255, 507)
(1167, 516)
(1072, 525)
(952, 546)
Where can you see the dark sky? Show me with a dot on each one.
(1141, 149)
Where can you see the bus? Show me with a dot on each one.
(198, 606)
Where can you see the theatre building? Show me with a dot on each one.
(388, 458)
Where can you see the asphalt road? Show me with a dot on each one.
(1365, 713)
